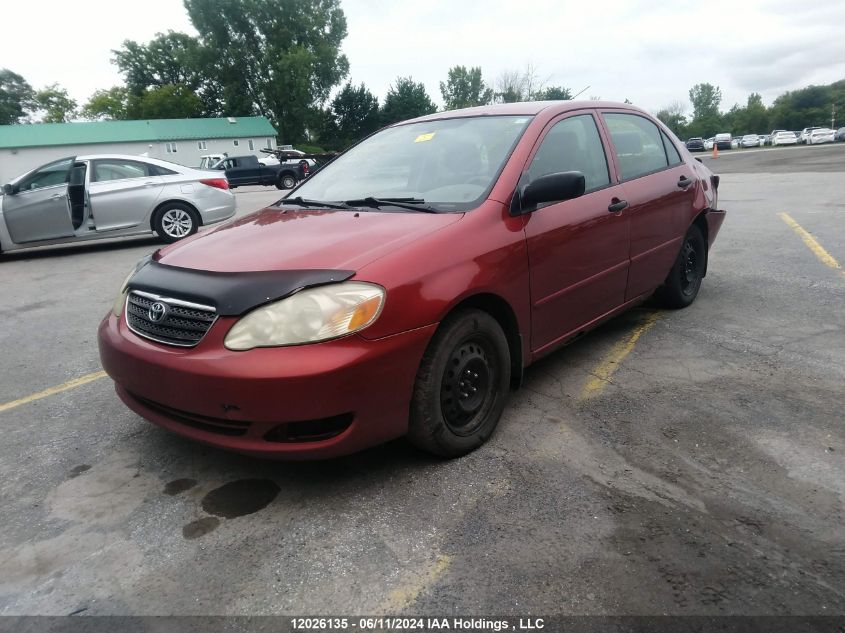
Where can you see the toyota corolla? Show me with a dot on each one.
(403, 289)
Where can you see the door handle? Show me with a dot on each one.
(684, 182)
(616, 205)
(56, 196)
(150, 184)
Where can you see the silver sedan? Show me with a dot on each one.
(110, 195)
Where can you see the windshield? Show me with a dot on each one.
(450, 164)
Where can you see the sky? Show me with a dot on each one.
(648, 51)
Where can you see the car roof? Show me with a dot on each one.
(147, 159)
(523, 108)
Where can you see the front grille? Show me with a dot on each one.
(179, 322)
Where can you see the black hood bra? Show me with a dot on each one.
(231, 294)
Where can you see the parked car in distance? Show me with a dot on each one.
(110, 195)
(735, 142)
(763, 140)
(209, 160)
(821, 135)
(840, 134)
(407, 298)
(246, 170)
(723, 141)
(270, 159)
(695, 144)
(750, 140)
(782, 137)
(708, 143)
(804, 135)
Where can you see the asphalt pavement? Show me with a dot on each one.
(703, 474)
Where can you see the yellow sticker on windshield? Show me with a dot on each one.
(424, 137)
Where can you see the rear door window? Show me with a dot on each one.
(573, 144)
(638, 145)
(118, 169)
(671, 151)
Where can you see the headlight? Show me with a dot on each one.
(120, 300)
(309, 316)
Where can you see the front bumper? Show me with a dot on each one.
(233, 400)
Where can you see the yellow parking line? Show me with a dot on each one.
(818, 250)
(70, 384)
(406, 596)
(601, 375)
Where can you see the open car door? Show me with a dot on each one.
(37, 207)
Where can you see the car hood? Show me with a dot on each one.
(296, 239)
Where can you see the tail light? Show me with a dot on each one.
(219, 183)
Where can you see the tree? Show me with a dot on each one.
(16, 97)
(464, 88)
(673, 116)
(353, 114)
(110, 104)
(56, 105)
(706, 119)
(705, 99)
(406, 99)
(173, 59)
(279, 57)
(172, 101)
(520, 85)
(553, 93)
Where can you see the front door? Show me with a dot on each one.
(577, 249)
(122, 192)
(40, 209)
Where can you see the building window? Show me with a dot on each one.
(201, 145)
(269, 144)
(251, 145)
(171, 148)
(236, 142)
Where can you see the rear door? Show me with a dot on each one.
(40, 210)
(659, 188)
(122, 192)
(577, 249)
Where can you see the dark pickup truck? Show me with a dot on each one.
(246, 170)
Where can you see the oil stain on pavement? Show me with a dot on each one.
(239, 498)
(178, 486)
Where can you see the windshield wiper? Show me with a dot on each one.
(415, 204)
(304, 202)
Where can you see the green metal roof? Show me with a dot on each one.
(83, 133)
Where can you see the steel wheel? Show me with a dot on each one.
(467, 386)
(684, 280)
(461, 386)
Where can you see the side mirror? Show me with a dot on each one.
(10, 190)
(549, 188)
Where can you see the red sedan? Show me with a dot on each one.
(403, 288)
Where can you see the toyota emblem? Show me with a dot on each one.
(157, 312)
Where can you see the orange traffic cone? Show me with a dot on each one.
(715, 150)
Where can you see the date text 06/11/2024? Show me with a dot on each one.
(414, 623)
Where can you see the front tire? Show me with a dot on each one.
(175, 221)
(684, 280)
(462, 385)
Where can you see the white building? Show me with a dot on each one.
(184, 141)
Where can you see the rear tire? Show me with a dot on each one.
(462, 385)
(684, 280)
(285, 181)
(175, 221)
